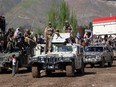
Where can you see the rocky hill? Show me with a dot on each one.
(7, 5)
(33, 13)
(29, 13)
(86, 10)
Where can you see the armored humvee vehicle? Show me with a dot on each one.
(68, 57)
(6, 61)
(98, 54)
(22, 57)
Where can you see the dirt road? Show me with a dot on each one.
(94, 77)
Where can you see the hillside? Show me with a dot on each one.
(33, 13)
(29, 13)
(7, 5)
(86, 10)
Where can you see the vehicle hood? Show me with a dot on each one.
(93, 53)
(5, 56)
(57, 54)
(63, 54)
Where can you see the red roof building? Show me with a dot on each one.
(104, 19)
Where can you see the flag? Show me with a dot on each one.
(78, 35)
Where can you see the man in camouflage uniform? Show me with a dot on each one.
(48, 35)
(67, 28)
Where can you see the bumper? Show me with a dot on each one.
(92, 61)
(52, 64)
(5, 64)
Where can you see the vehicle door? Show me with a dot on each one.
(108, 54)
(79, 57)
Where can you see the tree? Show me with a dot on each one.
(64, 14)
(90, 25)
(52, 14)
(58, 16)
(73, 21)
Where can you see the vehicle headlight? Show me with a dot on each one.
(67, 58)
(98, 57)
(41, 59)
(34, 58)
(87, 57)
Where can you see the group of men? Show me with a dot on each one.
(50, 31)
(17, 40)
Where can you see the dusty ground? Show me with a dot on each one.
(94, 77)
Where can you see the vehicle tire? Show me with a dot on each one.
(69, 71)
(17, 67)
(0, 70)
(35, 72)
(92, 65)
(4, 70)
(84, 65)
(29, 69)
(48, 72)
(102, 63)
(110, 63)
(81, 70)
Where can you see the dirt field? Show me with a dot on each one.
(94, 77)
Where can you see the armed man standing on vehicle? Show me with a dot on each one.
(48, 35)
(67, 28)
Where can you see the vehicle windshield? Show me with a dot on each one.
(64, 49)
(94, 49)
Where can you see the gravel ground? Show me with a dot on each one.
(94, 77)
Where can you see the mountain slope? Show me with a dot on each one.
(29, 13)
(86, 10)
(6, 5)
(33, 13)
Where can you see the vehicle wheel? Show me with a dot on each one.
(4, 70)
(84, 65)
(102, 64)
(0, 70)
(48, 72)
(92, 65)
(110, 63)
(81, 70)
(69, 71)
(17, 67)
(29, 69)
(35, 72)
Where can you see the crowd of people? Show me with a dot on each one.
(17, 39)
(84, 40)
(24, 38)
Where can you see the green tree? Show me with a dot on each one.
(58, 16)
(90, 25)
(52, 14)
(73, 21)
(64, 14)
(39, 31)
